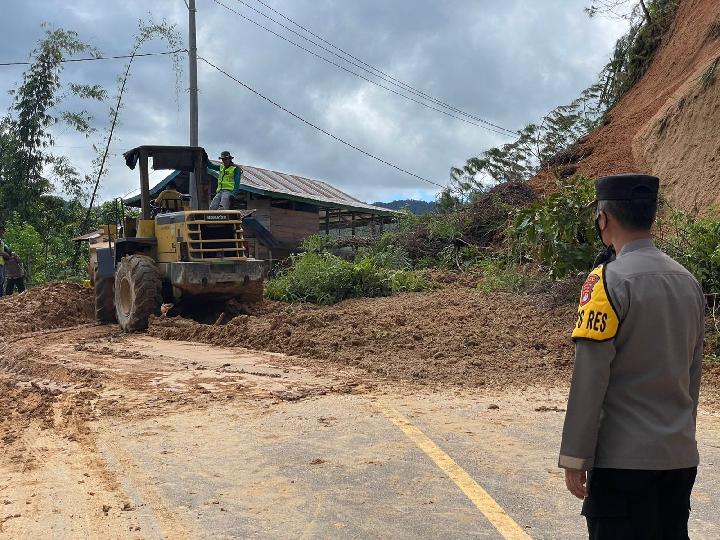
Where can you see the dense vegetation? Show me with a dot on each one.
(40, 190)
(505, 235)
(321, 277)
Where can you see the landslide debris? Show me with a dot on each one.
(666, 124)
(53, 305)
(457, 336)
(480, 223)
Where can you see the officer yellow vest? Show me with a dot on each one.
(226, 178)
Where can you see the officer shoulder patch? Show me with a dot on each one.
(597, 319)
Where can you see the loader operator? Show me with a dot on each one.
(170, 199)
(228, 184)
(631, 414)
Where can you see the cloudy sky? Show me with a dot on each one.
(506, 61)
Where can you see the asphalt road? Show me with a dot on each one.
(337, 467)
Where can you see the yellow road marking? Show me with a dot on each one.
(494, 513)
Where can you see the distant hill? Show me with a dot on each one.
(415, 206)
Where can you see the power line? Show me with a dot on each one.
(370, 66)
(93, 58)
(381, 74)
(318, 128)
(358, 74)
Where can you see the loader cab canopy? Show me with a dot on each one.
(189, 159)
(181, 158)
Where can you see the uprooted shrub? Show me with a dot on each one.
(557, 231)
(459, 238)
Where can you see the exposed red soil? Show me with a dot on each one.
(623, 144)
(455, 336)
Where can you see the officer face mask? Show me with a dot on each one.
(598, 230)
(608, 254)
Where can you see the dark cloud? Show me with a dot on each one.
(508, 61)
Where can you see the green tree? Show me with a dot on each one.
(28, 167)
(633, 53)
(552, 142)
(557, 231)
(24, 240)
(537, 146)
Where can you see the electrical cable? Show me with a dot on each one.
(93, 58)
(360, 75)
(318, 128)
(384, 77)
(381, 72)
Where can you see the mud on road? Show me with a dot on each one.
(60, 390)
(182, 433)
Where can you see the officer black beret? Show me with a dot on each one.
(626, 187)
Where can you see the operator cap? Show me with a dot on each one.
(225, 154)
(626, 187)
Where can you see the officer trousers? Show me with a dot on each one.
(625, 504)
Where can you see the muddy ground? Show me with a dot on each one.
(453, 336)
(89, 411)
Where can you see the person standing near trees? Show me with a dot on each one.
(228, 184)
(4, 257)
(15, 271)
(628, 444)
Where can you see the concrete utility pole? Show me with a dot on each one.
(193, 76)
(192, 54)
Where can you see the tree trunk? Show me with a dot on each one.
(647, 13)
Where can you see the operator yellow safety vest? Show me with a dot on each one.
(2, 248)
(226, 178)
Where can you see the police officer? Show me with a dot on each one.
(228, 184)
(630, 421)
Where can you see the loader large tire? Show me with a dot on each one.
(138, 292)
(105, 300)
(252, 292)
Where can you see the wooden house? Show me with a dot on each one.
(288, 209)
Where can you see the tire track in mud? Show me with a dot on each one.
(154, 513)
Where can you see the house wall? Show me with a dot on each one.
(262, 210)
(293, 226)
(289, 223)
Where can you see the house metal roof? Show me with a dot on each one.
(279, 185)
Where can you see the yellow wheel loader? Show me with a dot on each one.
(181, 254)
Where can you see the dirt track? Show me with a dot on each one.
(135, 436)
(118, 436)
